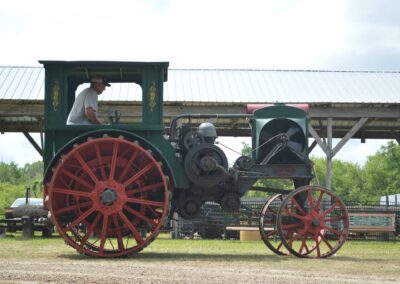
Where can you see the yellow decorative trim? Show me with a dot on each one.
(55, 95)
(152, 96)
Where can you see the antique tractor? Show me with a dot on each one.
(110, 188)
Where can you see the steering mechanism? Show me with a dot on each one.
(114, 117)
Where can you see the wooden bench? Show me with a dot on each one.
(372, 223)
(358, 223)
(241, 228)
(247, 233)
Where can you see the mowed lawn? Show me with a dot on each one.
(378, 259)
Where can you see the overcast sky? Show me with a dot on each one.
(281, 34)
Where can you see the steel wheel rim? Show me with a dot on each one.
(318, 228)
(108, 197)
(268, 226)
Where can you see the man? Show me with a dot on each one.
(84, 110)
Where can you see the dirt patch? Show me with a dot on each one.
(134, 271)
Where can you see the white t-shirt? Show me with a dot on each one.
(87, 98)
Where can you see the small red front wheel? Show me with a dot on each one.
(313, 222)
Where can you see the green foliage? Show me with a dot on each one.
(14, 180)
(379, 176)
(10, 173)
(246, 150)
(382, 171)
(8, 193)
(347, 179)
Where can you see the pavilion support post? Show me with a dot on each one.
(327, 147)
(395, 136)
(33, 142)
(349, 134)
(312, 146)
(41, 140)
(328, 180)
(318, 139)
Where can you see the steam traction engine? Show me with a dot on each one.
(110, 188)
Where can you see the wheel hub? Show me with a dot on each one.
(108, 196)
(315, 223)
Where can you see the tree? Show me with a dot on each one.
(14, 180)
(34, 171)
(8, 193)
(347, 179)
(382, 171)
(10, 173)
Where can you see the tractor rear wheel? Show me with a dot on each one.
(108, 197)
(316, 227)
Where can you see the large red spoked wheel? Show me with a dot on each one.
(313, 222)
(108, 197)
(267, 225)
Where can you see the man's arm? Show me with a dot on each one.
(91, 115)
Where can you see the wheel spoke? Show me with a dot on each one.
(310, 198)
(145, 202)
(140, 215)
(326, 241)
(273, 212)
(303, 246)
(73, 207)
(103, 236)
(76, 178)
(100, 161)
(80, 219)
(156, 213)
(91, 229)
(135, 232)
(71, 192)
(279, 246)
(85, 166)
(318, 248)
(290, 213)
(114, 161)
(294, 238)
(290, 226)
(119, 235)
(336, 232)
(111, 243)
(330, 209)
(139, 174)
(128, 166)
(319, 199)
(270, 233)
(144, 188)
(294, 201)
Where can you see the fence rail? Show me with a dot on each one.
(212, 221)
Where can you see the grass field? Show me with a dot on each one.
(378, 259)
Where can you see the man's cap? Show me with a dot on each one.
(101, 80)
